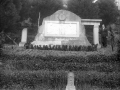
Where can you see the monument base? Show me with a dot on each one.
(21, 44)
(37, 43)
(99, 46)
(68, 87)
(61, 42)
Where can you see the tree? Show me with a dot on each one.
(8, 15)
(84, 8)
(31, 8)
(25, 10)
(108, 11)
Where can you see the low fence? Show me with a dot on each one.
(62, 47)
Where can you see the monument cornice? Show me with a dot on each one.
(91, 21)
(94, 20)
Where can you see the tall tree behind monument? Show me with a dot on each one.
(108, 11)
(84, 8)
(8, 14)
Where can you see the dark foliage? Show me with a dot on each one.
(53, 63)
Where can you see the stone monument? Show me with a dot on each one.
(61, 28)
(23, 37)
(70, 82)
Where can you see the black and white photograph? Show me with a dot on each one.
(59, 44)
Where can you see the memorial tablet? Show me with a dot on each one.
(57, 29)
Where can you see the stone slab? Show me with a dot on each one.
(70, 82)
(66, 29)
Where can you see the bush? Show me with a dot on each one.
(53, 63)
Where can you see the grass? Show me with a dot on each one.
(22, 69)
(58, 79)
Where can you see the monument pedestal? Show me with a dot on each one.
(23, 37)
(68, 87)
(21, 44)
(70, 83)
(99, 46)
(68, 41)
(37, 43)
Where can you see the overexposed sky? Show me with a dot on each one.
(94, 1)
